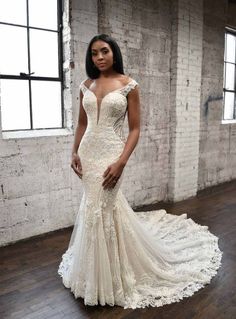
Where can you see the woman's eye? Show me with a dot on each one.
(105, 51)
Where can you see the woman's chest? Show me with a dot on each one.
(112, 105)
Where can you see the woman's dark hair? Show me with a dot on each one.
(91, 70)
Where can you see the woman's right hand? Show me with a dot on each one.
(76, 165)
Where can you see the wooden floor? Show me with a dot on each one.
(30, 287)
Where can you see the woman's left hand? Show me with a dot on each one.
(112, 174)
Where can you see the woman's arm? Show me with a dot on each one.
(79, 132)
(113, 171)
(134, 125)
(81, 127)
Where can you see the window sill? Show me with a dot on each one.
(37, 133)
(228, 121)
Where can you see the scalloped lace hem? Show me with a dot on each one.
(144, 295)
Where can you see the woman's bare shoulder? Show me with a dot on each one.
(88, 82)
(125, 79)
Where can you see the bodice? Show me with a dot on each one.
(110, 112)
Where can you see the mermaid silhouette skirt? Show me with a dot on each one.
(120, 257)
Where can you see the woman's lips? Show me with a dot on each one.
(102, 64)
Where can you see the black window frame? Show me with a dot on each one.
(229, 30)
(29, 76)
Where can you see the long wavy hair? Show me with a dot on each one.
(92, 71)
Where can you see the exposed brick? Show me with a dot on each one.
(174, 49)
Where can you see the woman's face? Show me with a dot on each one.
(102, 55)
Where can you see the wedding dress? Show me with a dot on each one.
(120, 257)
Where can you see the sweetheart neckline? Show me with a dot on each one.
(99, 104)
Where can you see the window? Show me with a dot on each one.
(229, 89)
(31, 64)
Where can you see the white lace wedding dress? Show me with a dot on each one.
(120, 257)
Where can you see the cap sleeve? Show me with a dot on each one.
(131, 85)
(82, 87)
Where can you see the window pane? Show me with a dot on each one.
(13, 11)
(228, 105)
(13, 53)
(230, 48)
(43, 14)
(46, 104)
(44, 53)
(230, 76)
(15, 109)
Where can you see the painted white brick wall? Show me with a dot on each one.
(186, 59)
(217, 158)
(161, 43)
(143, 32)
(39, 191)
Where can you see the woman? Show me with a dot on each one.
(116, 256)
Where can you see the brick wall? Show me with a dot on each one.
(174, 50)
(217, 158)
(143, 32)
(186, 59)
